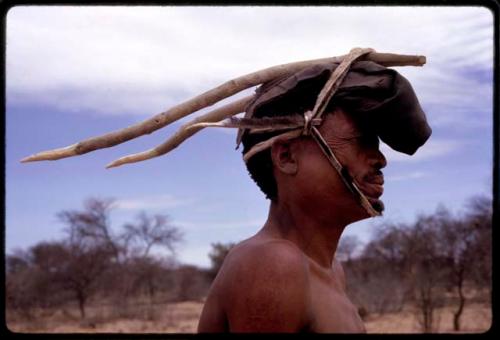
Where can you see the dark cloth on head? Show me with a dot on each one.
(380, 97)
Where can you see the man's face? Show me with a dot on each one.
(358, 151)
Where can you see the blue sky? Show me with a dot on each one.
(77, 72)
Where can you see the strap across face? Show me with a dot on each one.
(346, 178)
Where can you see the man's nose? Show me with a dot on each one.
(379, 160)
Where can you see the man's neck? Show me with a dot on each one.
(315, 235)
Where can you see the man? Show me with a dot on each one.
(310, 137)
(285, 278)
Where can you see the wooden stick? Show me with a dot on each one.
(184, 132)
(204, 100)
(335, 80)
(269, 142)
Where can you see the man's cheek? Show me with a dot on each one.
(342, 155)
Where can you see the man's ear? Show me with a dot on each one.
(284, 156)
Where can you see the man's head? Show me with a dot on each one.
(372, 102)
(303, 173)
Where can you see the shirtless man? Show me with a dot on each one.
(285, 278)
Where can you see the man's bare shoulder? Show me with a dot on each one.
(276, 253)
(266, 286)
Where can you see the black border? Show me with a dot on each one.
(492, 5)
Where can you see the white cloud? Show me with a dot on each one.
(142, 60)
(411, 175)
(433, 148)
(152, 202)
(221, 225)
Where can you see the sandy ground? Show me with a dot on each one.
(183, 318)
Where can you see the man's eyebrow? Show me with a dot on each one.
(356, 136)
(353, 132)
(359, 133)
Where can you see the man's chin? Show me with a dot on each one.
(377, 205)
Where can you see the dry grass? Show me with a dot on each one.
(140, 318)
(183, 318)
(476, 318)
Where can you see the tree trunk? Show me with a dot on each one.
(81, 303)
(151, 291)
(461, 303)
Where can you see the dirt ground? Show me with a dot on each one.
(183, 318)
(476, 318)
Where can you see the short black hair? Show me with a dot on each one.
(296, 101)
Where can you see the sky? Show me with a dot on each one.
(78, 72)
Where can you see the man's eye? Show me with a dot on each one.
(368, 140)
(356, 138)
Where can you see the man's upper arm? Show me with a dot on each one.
(268, 290)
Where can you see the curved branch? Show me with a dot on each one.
(184, 132)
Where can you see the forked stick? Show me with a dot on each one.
(206, 99)
(184, 132)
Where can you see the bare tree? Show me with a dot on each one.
(401, 264)
(18, 261)
(89, 249)
(479, 216)
(427, 296)
(375, 271)
(427, 267)
(72, 268)
(20, 285)
(91, 260)
(373, 286)
(139, 239)
(466, 243)
(151, 231)
(91, 228)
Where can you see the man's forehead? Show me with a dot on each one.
(344, 124)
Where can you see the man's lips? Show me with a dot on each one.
(376, 178)
(373, 189)
(373, 185)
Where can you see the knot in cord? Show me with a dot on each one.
(306, 131)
